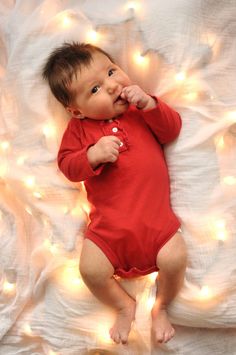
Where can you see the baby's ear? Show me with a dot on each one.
(75, 112)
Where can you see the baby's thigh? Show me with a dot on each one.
(173, 254)
(94, 264)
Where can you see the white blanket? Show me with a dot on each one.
(183, 51)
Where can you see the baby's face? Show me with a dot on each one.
(98, 88)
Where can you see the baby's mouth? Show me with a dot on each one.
(120, 100)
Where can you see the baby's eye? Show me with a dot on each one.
(94, 89)
(111, 71)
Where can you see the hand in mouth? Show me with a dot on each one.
(120, 100)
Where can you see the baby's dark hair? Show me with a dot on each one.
(62, 65)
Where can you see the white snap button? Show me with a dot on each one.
(110, 121)
(121, 144)
(114, 129)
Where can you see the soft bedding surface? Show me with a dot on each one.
(184, 51)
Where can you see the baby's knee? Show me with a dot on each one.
(88, 272)
(92, 273)
(175, 258)
(178, 260)
(94, 266)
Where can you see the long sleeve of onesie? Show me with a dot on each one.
(165, 123)
(72, 156)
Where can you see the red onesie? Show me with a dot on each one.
(131, 217)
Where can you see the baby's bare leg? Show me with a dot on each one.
(97, 273)
(171, 261)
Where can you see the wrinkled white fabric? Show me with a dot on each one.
(42, 225)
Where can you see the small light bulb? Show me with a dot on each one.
(191, 96)
(221, 235)
(78, 212)
(49, 130)
(220, 142)
(220, 224)
(38, 195)
(9, 288)
(181, 76)
(220, 230)
(4, 145)
(3, 170)
(211, 38)
(66, 21)
(29, 181)
(51, 352)
(132, 5)
(103, 333)
(27, 330)
(54, 248)
(205, 293)
(70, 277)
(231, 116)
(47, 243)
(229, 180)
(141, 59)
(92, 36)
(21, 160)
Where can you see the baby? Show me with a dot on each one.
(114, 143)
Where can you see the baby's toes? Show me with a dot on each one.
(124, 338)
(169, 335)
(115, 336)
(158, 337)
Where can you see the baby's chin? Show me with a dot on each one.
(122, 106)
(118, 109)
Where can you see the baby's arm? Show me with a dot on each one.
(78, 162)
(106, 150)
(164, 122)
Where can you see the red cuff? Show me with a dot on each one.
(76, 166)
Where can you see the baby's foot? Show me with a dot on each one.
(121, 328)
(162, 330)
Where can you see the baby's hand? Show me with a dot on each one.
(136, 96)
(106, 150)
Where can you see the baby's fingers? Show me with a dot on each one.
(133, 94)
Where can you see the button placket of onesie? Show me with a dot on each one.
(113, 127)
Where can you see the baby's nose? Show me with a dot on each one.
(112, 86)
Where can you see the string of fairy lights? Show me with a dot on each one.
(70, 277)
